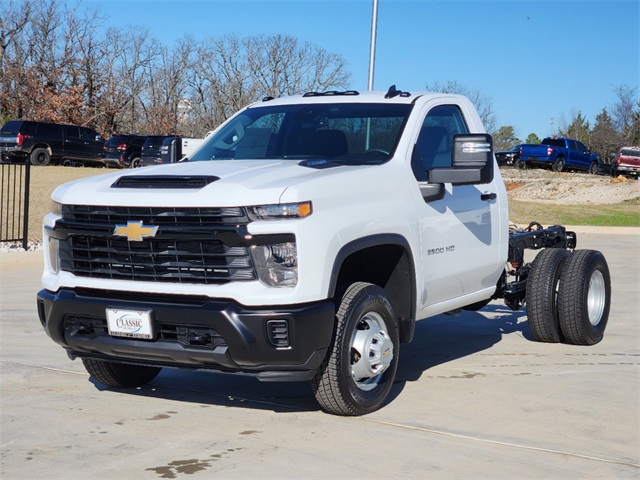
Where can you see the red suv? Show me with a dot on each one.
(627, 162)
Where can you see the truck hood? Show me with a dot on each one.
(246, 182)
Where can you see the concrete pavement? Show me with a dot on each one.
(474, 398)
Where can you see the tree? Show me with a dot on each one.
(605, 139)
(505, 138)
(623, 113)
(533, 139)
(57, 64)
(232, 71)
(483, 104)
(577, 128)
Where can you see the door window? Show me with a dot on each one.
(433, 148)
(72, 132)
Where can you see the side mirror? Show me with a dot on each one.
(471, 161)
(99, 139)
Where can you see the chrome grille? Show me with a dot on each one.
(179, 216)
(193, 245)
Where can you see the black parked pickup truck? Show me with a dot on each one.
(43, 143)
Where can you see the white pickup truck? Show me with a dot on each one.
(302, 241)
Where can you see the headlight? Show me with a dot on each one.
(280, 211)
(56, 208)
(277, 265)
(53, 246)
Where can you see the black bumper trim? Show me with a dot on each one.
(246, 347)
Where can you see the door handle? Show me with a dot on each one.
(487, 197)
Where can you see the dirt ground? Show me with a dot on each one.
(568, 188)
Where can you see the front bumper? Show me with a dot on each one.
(193, 332)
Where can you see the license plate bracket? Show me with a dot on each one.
(130, 323)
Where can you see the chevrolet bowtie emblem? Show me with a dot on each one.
(135, 231)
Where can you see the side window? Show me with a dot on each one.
(433, 148)
(581, 147)
(72, 132)
(137, 141)
(49, 130)
(572, 145)
(88, 134)
(29, 128)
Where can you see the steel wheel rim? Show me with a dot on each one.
(371, 351)
(596, 298)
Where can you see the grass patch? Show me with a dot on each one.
(626, 214)
(43, 181)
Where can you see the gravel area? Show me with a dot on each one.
(568, 188)
(32, 245)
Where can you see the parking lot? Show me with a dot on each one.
(475, 397)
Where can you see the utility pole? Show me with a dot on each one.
(372, 51)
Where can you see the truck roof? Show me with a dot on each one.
(353, 96)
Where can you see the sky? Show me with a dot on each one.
(538, 61)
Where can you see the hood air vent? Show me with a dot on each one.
(164, 181)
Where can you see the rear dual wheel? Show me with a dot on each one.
(568, 296)
(584, 298)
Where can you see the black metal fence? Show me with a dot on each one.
(14, 203)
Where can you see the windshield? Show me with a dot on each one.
(347, 133)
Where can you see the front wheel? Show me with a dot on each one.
(120, 375)
(358, 371)
(593, 168)
(584, 297)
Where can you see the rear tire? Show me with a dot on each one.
(40, 157)
(584, 297)
(558, 165)
(358, 371)
(135, 163)
(542, 291)
(120, 375)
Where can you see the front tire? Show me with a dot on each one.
(584, 298)
(542, 291)
(40, 157)
(120, 375)
(360, 366)
(593, 168)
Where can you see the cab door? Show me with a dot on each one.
(92, 149)
(459, 232)
(73, 142)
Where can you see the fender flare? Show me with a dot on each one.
(406, 322)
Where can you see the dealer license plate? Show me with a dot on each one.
(130, 323)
